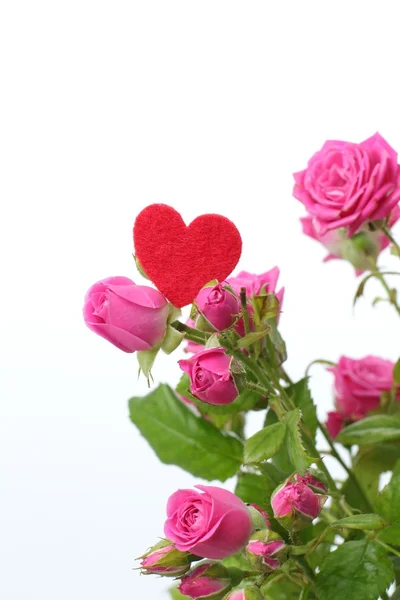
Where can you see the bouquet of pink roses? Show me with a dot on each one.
(290, 530)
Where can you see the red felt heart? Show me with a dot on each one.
(181, 259)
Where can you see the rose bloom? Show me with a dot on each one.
(257, 284)
(358, 250)
(212, 524)
(132, 317)
(349, 185)
(359, 384)
(210, 377)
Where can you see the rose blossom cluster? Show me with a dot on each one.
(349, 190)
(212, 523)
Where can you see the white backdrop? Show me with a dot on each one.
(106, 107)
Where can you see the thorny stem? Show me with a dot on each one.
(192, 334)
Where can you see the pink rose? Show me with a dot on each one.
(312, 481)
(212, 524)
(349, 185)
(210, 377)
(205, 582)
(257, 284)
(218, 305)
(295, 505)
(359, 384)
(334, 423)
(358, 249)
(166, 561)
(132, 317)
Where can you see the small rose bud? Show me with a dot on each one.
(210, 376)
(218, 305)
(295, 505)
(164, 559)
(311, 480)
(266, 550)
(208, 580)
(259, 517)
(250, 592)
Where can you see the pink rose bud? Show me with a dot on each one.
(250, 592)
(164, 559)
(334, 424)
(219, 306)
(132, 317)
(210, 376)
(208, 580)
(312, 481)
(359, 384)
(295, 505)
(348, 185)
(266, 550)
(259, 517)
(211, 524)
(256, 285)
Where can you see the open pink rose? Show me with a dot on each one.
(210, 377)
(218, 305)
(132, 317)
(358, 249)
(359, 384)
(212, 524)
(348, 185)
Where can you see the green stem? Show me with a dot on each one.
(387, 547)
(349, 472)
(245, 312)
(391, 297)
(385, 229)
(250, 385)
(192, 334)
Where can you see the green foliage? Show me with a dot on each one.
(363, 522)
(371, 430)
(301, 396)
(357, 570)
(388, 505)
(176, 595)
(264, 444)
(293, 440)
(255, 489)
(181, 438)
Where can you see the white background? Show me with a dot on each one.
(106, 107)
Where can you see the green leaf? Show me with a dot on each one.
(264, 444)
(146, 360)
(280, 588)
(391, 535)
(245, 400)
(361, 287)
(388, 501)
(255, 489)
(371, 430)
(356, 570)
(301, 397)
(278, 342)
(251, 338)
(364, 522)
(293, 440)
(181, 438)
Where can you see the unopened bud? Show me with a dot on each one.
(164, 559)
(207, 581)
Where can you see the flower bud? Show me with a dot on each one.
(295, 504)
(250, 592)
(164, 559)
(259, 517)
(266, 550)
(210, 376)
(208, 580)
(218, 306)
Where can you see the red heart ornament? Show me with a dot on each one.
(181, 259)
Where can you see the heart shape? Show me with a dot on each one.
(181, 259)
